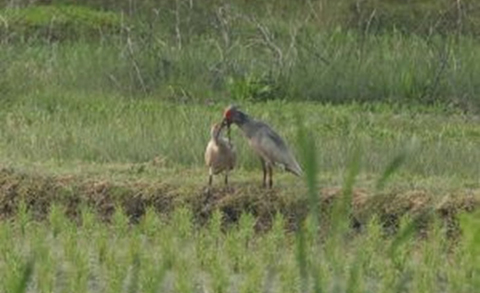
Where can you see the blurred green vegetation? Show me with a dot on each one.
(419, 16)
(57, 23)
(179, 255)
(108, 104)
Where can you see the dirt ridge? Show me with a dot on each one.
(40, 192)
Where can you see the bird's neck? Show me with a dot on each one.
(215, 136)
(242, 119)
(245, 123)
(248, 127)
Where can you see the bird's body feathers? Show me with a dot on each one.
(265, 142)
(270, 146)
(220, 156)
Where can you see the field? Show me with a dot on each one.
(103, 184)
(99, 195)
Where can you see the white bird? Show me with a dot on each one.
(220, 154)
(268, 145)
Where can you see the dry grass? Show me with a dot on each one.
(73, 192)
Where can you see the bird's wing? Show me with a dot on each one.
(224, 144)
(228, 150)
(271, 146)
(209, 153)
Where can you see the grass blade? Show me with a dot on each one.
(391, 168)
(407, 232)
(309, 156)
(26, 276)
(309, 160)
(134, 278)
(301, 258)
(342, 208)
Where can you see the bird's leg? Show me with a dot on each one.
(264, 167)
(210, 177)
(270, 174)
(208, 190)
(227, 186)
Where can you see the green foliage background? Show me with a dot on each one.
(407, 52)
(105, 107)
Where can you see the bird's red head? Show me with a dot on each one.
(228, 115)
(232, 114)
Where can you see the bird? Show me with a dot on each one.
(266, 143)
(220, 154)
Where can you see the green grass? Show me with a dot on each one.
(57, 23)
(338, 67)
(101, 152)
(75, 128)
(176, 255)
(76, 160)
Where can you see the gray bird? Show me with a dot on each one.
(266, 143)
(220, 155)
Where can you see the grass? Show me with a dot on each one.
(93, 210)
(102, 140)
(57, 23)
(176, 255)
(338, 67)
(70, 128)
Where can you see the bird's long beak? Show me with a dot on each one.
(227, 123)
